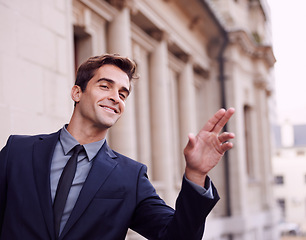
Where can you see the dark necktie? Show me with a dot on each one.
(64, 186)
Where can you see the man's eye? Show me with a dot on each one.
(122, 96)
(103, 86)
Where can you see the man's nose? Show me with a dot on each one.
(114, 96)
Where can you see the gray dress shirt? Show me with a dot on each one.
(60, 157)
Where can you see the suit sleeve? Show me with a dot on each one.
(155, 220)
(3, 181)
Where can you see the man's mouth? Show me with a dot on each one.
(110, 109)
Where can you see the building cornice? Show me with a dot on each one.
(251, 48)
(120, 4)
(101, 8)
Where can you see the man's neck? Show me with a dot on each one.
(86, 135)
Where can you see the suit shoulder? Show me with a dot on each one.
(129, 161)
(29, 137)
(26, 139)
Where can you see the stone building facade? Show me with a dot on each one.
(193, 56)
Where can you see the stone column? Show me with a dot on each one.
(160, 122)
(187, 105)
(122, 136)
(237, 168)
(264, 144)
(142, 102)
(119, 34)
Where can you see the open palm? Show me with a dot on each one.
(205, 150)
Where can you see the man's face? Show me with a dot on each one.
(103, 101)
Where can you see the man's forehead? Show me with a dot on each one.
(112, 74)
(109, 69)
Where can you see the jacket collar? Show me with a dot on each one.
(42, 156)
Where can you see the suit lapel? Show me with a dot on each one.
(42, 155)
(103, 165)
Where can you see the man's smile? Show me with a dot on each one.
(109, 109)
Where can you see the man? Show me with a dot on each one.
(110, 192)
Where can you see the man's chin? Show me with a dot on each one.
(108, 125)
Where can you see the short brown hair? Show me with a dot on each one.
(88, 69)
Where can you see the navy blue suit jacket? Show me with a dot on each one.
(117, 195)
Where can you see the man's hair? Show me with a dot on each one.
(88, 69)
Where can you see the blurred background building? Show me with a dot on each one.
(289, 168)
(193, 56)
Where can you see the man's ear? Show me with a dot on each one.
(76, 93)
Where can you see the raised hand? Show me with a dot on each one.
(204, 151)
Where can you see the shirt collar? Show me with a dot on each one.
(68, 142)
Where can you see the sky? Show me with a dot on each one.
(289, 45)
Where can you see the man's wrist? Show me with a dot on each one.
(195, 177)
(205, 191)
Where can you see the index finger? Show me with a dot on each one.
(218, 121)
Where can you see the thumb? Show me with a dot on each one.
(192, 141)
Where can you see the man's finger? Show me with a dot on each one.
(221, 123)
(226, 136)
(210, 125)
(191, 142)
(226, 146)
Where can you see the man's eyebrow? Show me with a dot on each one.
(111, 81)
(107, 80)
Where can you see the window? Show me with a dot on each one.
(300, 153)
(279, 180)
(82, 46)
(282, 205)
(248, 141)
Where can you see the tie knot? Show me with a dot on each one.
(77, 149)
